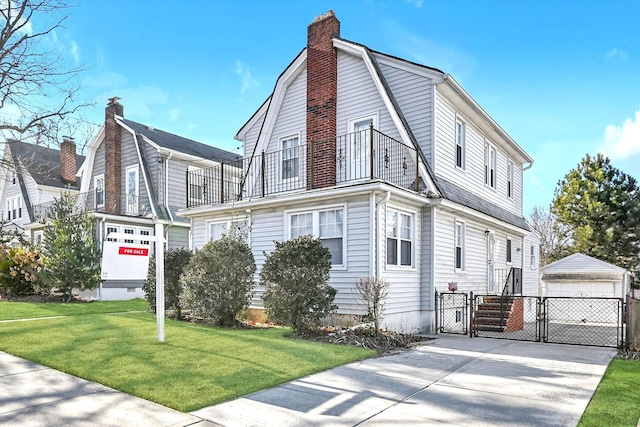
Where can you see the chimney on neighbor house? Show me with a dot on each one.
(113, 156)
(322, 94)
(68, 166)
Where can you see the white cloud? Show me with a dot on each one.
(428, 52)
(100, 58)
(417, 3)
(243, 71)
(616, 53)
(621, 142)
(174, 114)
(75, 51)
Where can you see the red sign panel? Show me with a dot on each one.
(133, 251)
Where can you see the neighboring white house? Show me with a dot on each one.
(580, 275)
(392, 164)
(32, 176)
(134, 176)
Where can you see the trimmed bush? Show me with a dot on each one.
(372, 292)
(218, 281)
(296, 276)
(175, 262)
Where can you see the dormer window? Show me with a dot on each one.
(489, 165)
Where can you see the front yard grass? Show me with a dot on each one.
(27, 310)
(196, 366)
(616, 401)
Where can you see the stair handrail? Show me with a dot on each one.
(506, 294)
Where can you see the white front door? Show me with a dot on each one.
(491, 263)
(360, 151)
(131, 193)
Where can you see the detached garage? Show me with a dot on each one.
(580, 275)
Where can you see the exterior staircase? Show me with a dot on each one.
(492, 314)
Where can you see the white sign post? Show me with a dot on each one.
(130, 261)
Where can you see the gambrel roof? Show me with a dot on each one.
(42, 163)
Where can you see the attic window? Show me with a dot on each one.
(13, 178)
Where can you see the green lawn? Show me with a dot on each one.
(196, 366)
(25, 310)
(616, 402)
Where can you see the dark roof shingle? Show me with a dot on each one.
(181, 144)
(42, 163)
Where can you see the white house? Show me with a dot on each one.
(32, 177)
(392, 164)
(580, 275)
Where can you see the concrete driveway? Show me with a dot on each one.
(452, 380)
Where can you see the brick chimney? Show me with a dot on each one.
(322, 94)
(113, 156)
(68, 166)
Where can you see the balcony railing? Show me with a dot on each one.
(359, 156)
(103, 202)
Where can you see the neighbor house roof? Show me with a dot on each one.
(181, 144)
(42, 163)
(581, 263)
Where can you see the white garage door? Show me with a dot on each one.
(592, 289)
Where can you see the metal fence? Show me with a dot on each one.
(506, 317)
(453, 309)
(584, 321)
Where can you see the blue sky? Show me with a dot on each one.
(561, 77)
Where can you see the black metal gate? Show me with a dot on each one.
(585, 321)
(561, 320)
(453, 309)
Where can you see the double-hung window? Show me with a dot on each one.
(98, 186)
(217, 229)
(327, 225)
(459, 245)
(509, 179)
(489, 165)
(399, 238)
(14, 208)
(460, 142)
(532, 257)
(508, 250)
(290, 167)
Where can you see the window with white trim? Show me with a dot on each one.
(489, 165)
(129, 231)
(38, 238)
(98, 187)
(509, 245)
(196, 183)
(14, 178)
(459, 245)
(327, 225)
(532, 257)
(217, 229)
(290, 167)
(399, 238)
(509, 179)
(111, 229)
(460, 144)
(14, 208)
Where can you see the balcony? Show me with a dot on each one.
(360, 157)
(102, 202)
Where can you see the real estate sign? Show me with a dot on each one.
(125, 261)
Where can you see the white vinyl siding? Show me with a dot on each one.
(414, 94)
(472, 177)
(291, 117)
(251, 138)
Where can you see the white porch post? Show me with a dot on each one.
(159, 231)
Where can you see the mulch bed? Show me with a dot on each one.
(628, 355)
(53, 298)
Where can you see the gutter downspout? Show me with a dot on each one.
(166, 185)
(526, 168)
(384, 201)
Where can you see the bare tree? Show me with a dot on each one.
(555, 237)
(38, 81)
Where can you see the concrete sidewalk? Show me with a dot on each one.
(33, 395)
(452, 380)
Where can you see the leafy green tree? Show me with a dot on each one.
(296, 276)
(71, 252)
(218, 281)
(601, 207)
(175, 262)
